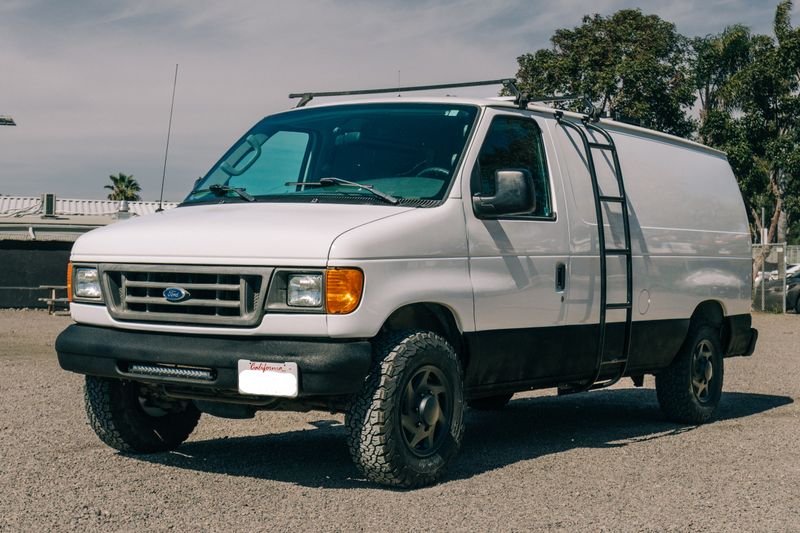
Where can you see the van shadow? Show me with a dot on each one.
(526, 429)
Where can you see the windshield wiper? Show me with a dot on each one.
(219, 190)
(327, 182)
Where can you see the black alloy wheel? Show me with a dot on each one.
(426, 411)
(702, 371)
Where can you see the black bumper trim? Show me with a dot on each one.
(327, 367)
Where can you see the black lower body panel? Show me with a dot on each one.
(326, 367)
(518, 359)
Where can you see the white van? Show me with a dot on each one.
(395, 259)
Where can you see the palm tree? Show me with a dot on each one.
(123, 187)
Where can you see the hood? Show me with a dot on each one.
(236, 233)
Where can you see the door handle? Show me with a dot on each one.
(561, 277)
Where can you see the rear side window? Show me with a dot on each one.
(515, 143)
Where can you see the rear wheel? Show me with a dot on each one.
(126, 418)
(406, 424)
(490, 403)
(689, 389)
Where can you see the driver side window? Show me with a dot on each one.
(514, 143)
(281, 161)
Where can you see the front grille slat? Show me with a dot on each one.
(229, 296)
(189, 286)
(148, 300)
(243, 293)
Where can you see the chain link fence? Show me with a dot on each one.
(792, 255)
(769, 277)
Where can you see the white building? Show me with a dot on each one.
(47, 218)
(36, 236)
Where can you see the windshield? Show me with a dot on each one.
(409, 152)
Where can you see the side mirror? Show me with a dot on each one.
(513, 195)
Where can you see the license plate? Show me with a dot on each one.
(268, 379)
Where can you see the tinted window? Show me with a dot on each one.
(410, 151)
(515, 143)
(280, 161)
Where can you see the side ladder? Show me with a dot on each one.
(607, 371)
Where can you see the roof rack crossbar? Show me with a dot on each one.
(592, 114)
(522, 98)
(308, 96)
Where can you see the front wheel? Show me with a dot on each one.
(689, 389)
(126, 419)
(406, 424)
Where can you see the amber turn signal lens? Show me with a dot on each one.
(69, 282)
(343, 287)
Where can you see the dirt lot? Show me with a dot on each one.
(605, 460)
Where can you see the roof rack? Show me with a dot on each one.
(306, 97)
(521, 99)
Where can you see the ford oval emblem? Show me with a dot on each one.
(175, 294)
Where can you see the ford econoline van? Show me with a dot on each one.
(399, 260)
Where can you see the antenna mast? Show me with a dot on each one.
(166, 151)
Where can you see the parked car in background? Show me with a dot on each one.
(774, 275)
(793, 292)
(775, 291)
(790, 269)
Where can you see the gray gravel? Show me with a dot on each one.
(604, 460)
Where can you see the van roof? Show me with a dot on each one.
(507, 102)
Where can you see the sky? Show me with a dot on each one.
(89, 82)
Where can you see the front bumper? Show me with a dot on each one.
(327, 367)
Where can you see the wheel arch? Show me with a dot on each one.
(710, 311)
(729, 327)
(430, 316)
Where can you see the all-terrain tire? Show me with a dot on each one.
(677, 386)
(490, 403)
(117, 416)
(379, 438)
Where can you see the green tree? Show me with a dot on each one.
(714, 60)
(630, 65)
(758, 124)
(123, 187)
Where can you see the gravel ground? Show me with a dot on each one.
(604, 460)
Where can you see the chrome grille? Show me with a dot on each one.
(232, 296)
